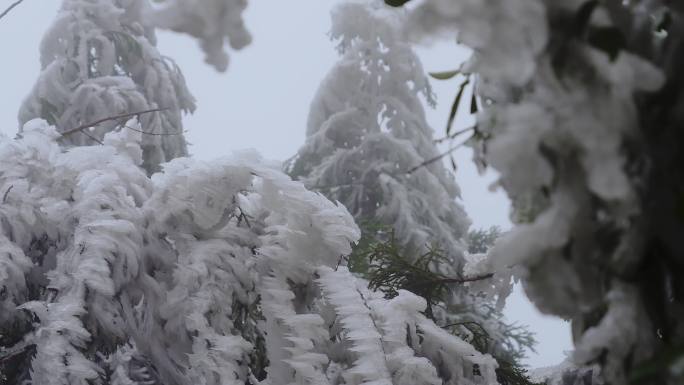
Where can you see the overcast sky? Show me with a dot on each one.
(262, 102)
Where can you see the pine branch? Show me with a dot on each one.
(4, 197)
(89, 135)
(455, 134)
(468, 279)
(154, 133)
(375, 325)
(331, 186)
(11, 7)
(110, 118)
(464, 323)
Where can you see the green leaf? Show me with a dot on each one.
(445, 75)
(396, 3)
(607, 39)
(473, 103)
(454, 106)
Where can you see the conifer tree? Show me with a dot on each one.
(369, 147)
(222, 272)
(98, 61)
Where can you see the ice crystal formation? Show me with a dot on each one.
(582, 123)
(122, 261)
(370, 147)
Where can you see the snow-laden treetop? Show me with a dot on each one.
(124, 262)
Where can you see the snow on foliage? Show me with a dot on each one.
(567, 373)
(125, 257)
(99, 60)
(410, 349)
(117, 278)
(370, 147)
(367, 132)
(124, 263)
(213, 22)
(562, 127)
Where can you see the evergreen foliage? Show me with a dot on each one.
(369, 147)
(389, 270)
(583, 109)
(125, 263)
(99, 60)
(480, 240)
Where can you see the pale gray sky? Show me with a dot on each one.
(262, 102)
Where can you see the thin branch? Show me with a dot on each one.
(116, 117)
(4, 197)
(331, 186)
(462, 324)
(154, 133)
(436, 158)
(6, 11)
(447, 280)
(454, 135)
(370, 315)
(467, 279)
(409, 172)
(89, 135)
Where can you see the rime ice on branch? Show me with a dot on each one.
(99, 60)
(369, 146)
(213, 273)
(213, 22)
(223, 272)
(367, 130)
(584, 125)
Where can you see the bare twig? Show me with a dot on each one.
(116, 117)
(4, 197)
(454, 135)
(447, 280)
(154, 133)
(436, 158)
(463, 324)
(86, 133)
(370, 315)
(6, 11)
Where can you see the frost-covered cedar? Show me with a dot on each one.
(213, 273)
(99, 60)
(480, 240)
(584, 125)
(222, 272)
(213, 22)
(367, 135)
(370, 147)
